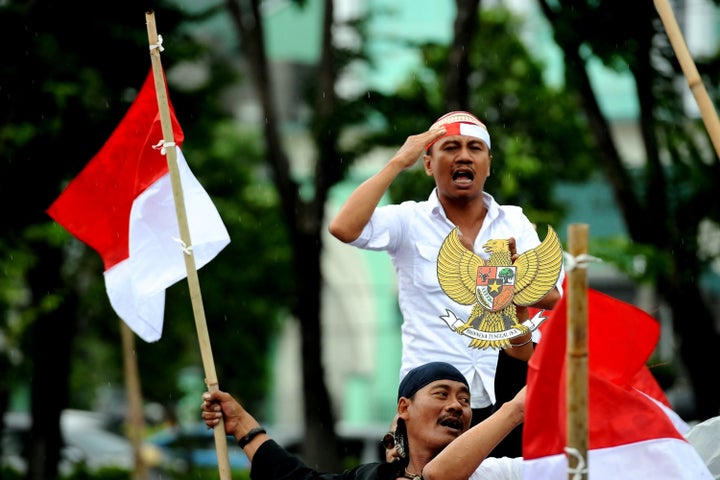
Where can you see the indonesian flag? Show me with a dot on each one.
(121, 204)
(632, 431)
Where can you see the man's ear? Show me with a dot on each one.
(402, 408)
(428, 166)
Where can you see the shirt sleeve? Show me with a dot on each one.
(384, 229)
(272, 462)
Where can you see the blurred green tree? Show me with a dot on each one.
(62, 98)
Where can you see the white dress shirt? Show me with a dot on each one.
(412, 233)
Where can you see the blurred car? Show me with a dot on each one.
(87, 443)
(358, 443)
(193, 445)
(188, 446)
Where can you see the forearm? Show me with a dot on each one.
(357, 210)
(463, 456)
(244, 427)
(359, 207)
(548, 301)
(521, 347)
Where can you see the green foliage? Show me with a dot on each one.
(8, 473)
(665, 372)
(197, 473)
(413, 184)
(80, 472)
(106, 473)
(64, 104)
(642, 263)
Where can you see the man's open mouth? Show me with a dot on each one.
(463, 176)
(454, 423)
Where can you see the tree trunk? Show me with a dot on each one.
(4, 403)
(456, 84)
(304, 219)
(52, 341)
(694, 327)
(321, 448)
(609, 160)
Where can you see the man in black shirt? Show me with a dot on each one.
(433, 410)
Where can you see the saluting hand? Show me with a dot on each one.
(414, 147)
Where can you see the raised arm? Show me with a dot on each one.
(355, 213)
(465, 454)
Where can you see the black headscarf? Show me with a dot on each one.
(420, 376)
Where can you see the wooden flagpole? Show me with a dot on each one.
(136, 419)
(577, 356)
(192, 276)
(707, 110)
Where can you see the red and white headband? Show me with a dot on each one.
(461, 123)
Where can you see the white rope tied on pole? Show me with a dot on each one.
(158, 45)
(581, 261)
(186, 249)
(580, 469)
(162, 146)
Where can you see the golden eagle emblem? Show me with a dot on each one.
(494, 287)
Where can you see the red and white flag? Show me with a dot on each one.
(632, 431)
(121, 204)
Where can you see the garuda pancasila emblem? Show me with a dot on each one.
(494, 287)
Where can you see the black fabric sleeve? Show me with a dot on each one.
(272, 462)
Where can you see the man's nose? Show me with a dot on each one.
(464, 154)
(455, 403)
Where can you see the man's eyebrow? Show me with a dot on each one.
(445, 386)
(448, 387)
(455, 139)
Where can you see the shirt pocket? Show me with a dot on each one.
(425, 268)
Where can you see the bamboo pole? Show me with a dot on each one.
(577, 356)
(707, 110)
(192, 276)
(136, 420)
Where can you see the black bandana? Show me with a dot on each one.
(420, 376)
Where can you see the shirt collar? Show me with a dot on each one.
(436, 208)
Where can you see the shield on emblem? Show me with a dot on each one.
(495, 286)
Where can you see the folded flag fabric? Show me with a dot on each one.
(632, 431)
(704, 437)
(121, 204)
